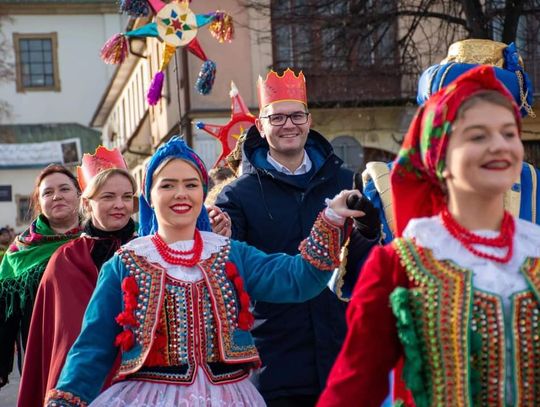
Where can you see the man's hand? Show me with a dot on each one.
(220, 221)
(339, 204)
(369, 225)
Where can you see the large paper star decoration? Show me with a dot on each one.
(176, 26)
(228, 134)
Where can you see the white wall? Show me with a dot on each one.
(22, 183)
(83, 76)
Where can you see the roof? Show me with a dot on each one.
(37, 133)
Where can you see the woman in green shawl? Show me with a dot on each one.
(56, 209)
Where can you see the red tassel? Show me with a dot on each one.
(230, 269)
(245, 318)
(115, 49)
(158, 353)
(129, 285)
(125, 340)
(244, 299)
(126, 318)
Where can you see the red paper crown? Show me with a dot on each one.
(275, 88)
(101, 160)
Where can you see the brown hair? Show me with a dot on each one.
(489, 96)
(49, 170)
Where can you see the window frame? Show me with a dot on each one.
(53, 36)
(18, 199)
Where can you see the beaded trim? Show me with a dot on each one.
(226, 308)
(441, 294)
(150, 280)
(488, 360)
(151, 300)
(59, 398)
(526, 318)
(323, 245)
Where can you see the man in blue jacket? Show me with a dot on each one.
(288, 172)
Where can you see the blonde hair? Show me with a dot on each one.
(99, 180)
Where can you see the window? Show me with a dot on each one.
(319, 36)
(24, 212)
(350, 151)
(36, 62)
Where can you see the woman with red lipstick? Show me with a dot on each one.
(56, 209)
(108, 201)
(175, 302)
(457, 293)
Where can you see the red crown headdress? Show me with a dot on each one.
(101, 160)
(275, 88)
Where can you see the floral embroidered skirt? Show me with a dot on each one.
(201, 393)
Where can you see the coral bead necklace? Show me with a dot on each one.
(505, 239)
(180, 257)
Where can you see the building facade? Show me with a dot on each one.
(56, 82)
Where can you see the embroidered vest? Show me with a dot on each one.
(454, 336)
(233, 344)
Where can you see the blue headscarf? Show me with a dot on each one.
(174, 148)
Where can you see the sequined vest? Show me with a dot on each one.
(454, 336)
(229, 345)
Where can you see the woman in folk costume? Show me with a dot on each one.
(176, 300)
(56, 208)
(108, 201)
(457, 291)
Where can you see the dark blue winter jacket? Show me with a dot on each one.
(274, 212)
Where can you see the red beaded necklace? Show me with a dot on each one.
(505, 239)
(178, 257)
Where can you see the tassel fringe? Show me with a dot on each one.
(206, 78)
(115, 49)
(135, 8)
(154, 92)
(222, 28)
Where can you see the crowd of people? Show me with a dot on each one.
(289, 284)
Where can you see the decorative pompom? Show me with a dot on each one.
(230, 270)
(135, 8)
(222, 28)
(239, 283)
(125, 340)
(129, 285)
(126, 318)
(245, 321)
(154, 92)
(244, 300)
(206, 78)
(115, 49)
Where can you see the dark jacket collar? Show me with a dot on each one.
(256, 148)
